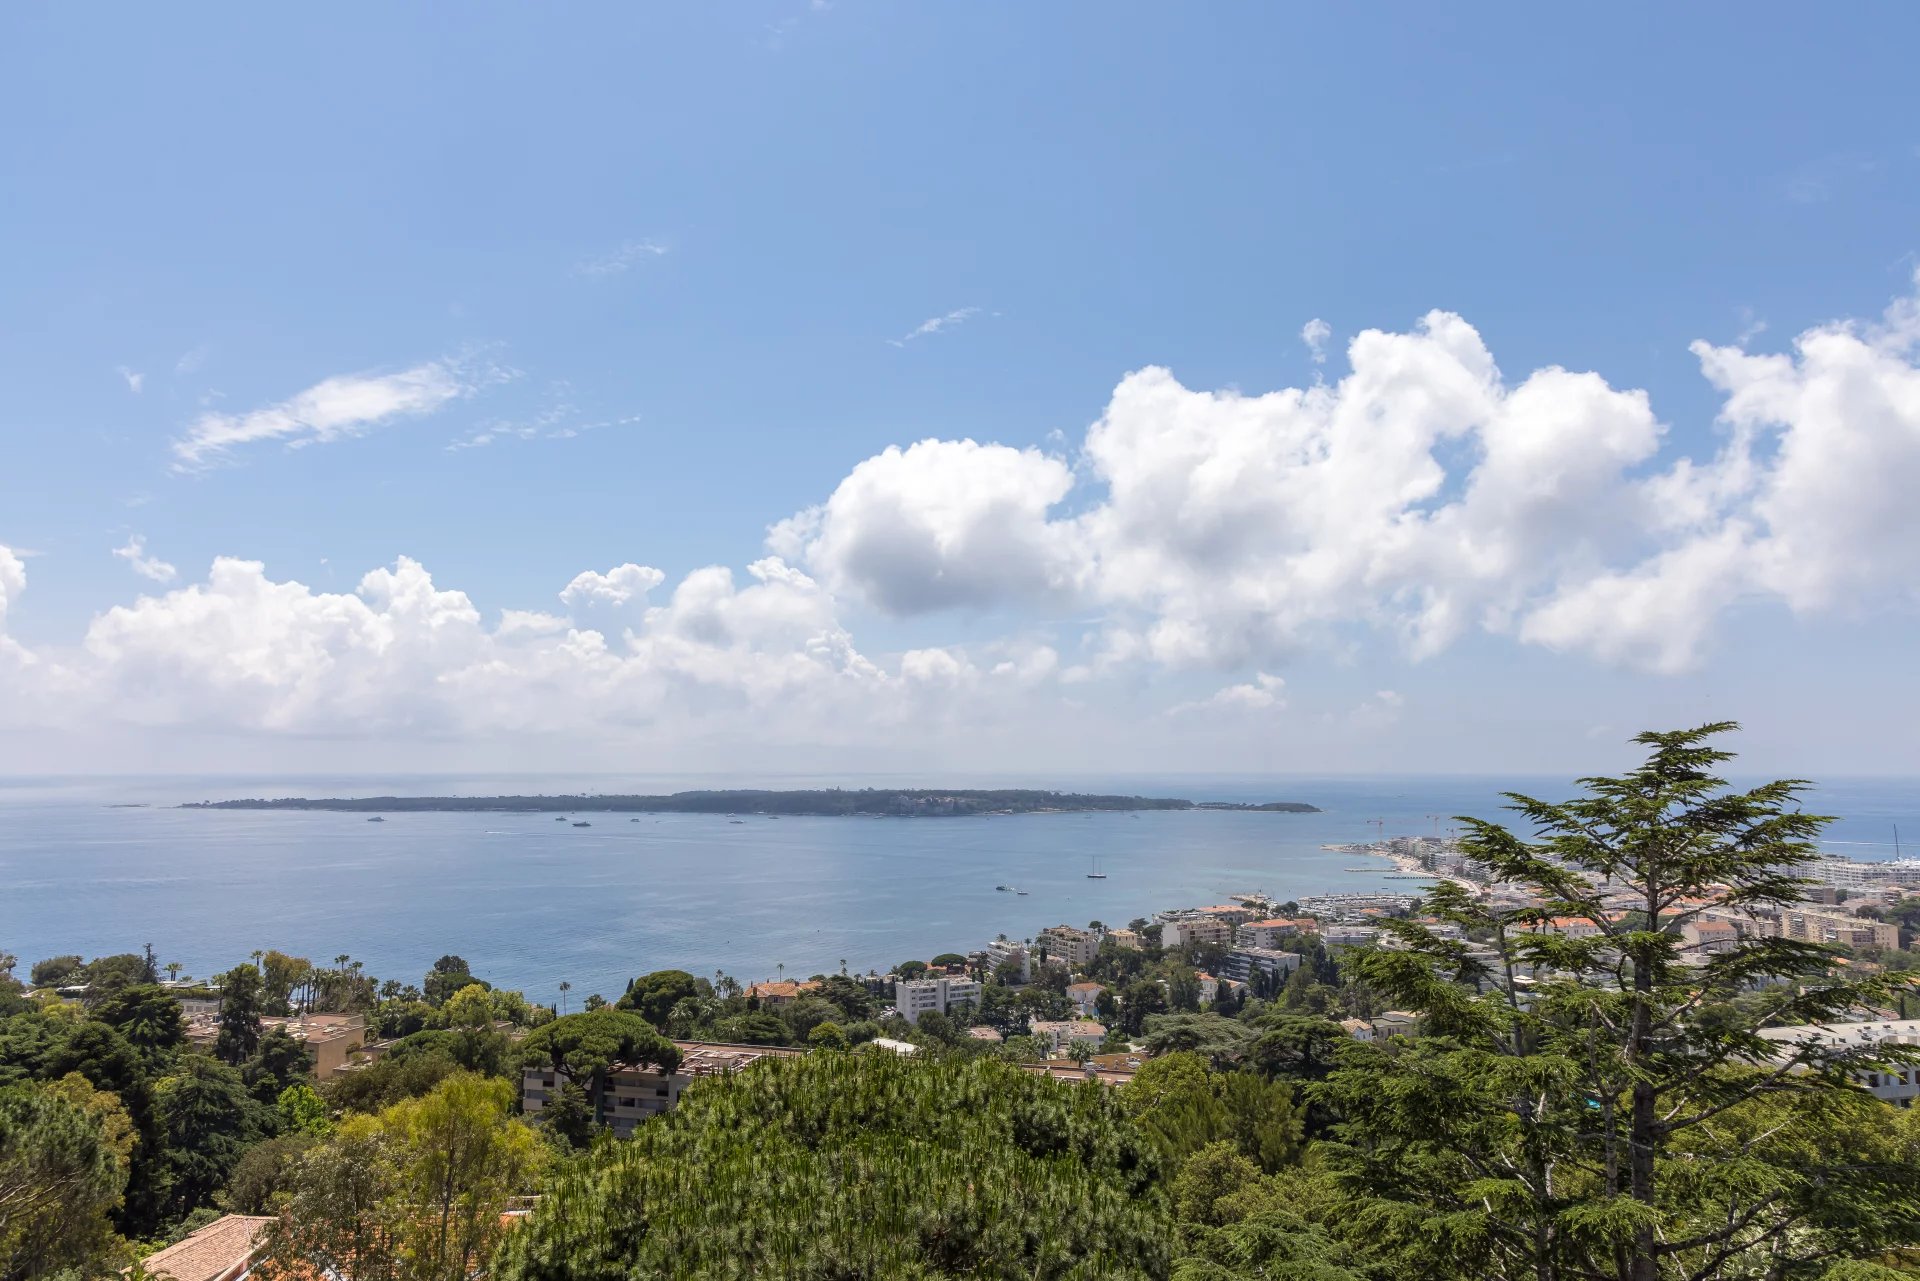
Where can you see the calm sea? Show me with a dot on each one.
(100, 866)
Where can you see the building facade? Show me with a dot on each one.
(1896, 1084)
(1076, 947)
(1186, 930)
(1004, 951)
(1243, 963)
(939, 995)
(635, 1093)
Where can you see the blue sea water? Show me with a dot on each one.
(99, 866)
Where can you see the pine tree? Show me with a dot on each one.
(1620, 1116)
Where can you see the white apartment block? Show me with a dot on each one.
(1001, 951)
(1244, 962)
(1811, 924)
(1195, 929)
(1269, 932)
(1057, 1035)
(1076, 947)
(915, 997)
(1898, 1085)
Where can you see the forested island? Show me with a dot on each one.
(829, 802)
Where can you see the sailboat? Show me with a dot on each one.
(1093, 872)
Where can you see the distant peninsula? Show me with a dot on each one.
(827, 802)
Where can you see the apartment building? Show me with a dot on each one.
(1076, 947)
(1569, 927)
(1058, 1034)
(1004, 950)
(1231, 913)
(1243, 963)
(330, 1039)
(1709, 937)
(1810, 924)
(1269, 932)
(636, 1093)
(1132, 940)
(1084, 997)
(939, 994)
(1898, 1085)
(1815, 925)
(1186, 930)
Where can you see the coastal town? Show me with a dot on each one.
(1087, 1006)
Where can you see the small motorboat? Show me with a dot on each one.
(376, 819)
(1003, 888)
(583, 825)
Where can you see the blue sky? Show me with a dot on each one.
(685, 268)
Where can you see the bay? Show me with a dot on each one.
(96, 866)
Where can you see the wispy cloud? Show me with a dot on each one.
(347, 405)
(935, 324)
(628, 256)
(777, 32)
(543, 426)
(1833, 175)
(135, 554)
(1751, 327)
(560, 420)
(135, 379)
(191, 361)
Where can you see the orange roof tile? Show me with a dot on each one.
(215, 1251)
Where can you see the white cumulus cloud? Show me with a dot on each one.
(1810, 502)
(401, 655)
(134, 552)
(940, 523)
(1426, 494)
(1265, 692)
(1423, 493)
(615, 587)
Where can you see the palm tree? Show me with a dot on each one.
(781, 966)
(565, 987)
(843, 967)
(173, 971)
(257, 954)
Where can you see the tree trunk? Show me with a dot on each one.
(1641, 1126)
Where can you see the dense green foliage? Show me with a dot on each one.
(416, 1193)
(861, 1165)
(119, 1136)
(583, 1048)
(1596, 1125)
(60, 1178)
